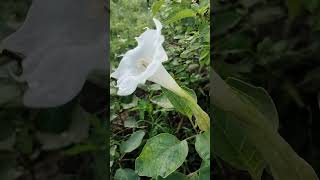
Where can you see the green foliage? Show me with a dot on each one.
(266, 44)
(133, 142)
(161, 156)
(180, 104)
(126, 174)
(159, 113)
(281, 158)
(201, 144)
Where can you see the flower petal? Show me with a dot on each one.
(158, 24)
(58, 54)
(150, 52)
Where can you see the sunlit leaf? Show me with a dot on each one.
(161, 156)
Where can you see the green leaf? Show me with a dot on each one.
(283, 161)
(232, 145)
(173, 176)
(161, 156)
(204, 173)
(132, 104)
(193, 176)
(259, 97)
(202, 145)
(130, 123)
(126, 174)
(133, 142)
(156, 7)
(187, 105)
(162, 101)
(179, 103)
(181, 15)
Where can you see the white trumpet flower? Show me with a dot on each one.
(145, 63)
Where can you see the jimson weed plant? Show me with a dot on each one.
(145, 63)
(168, 129)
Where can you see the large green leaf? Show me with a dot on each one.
(203, 145)
(232, 145)
(258, 97)
(126, 174)
(283, 161)
(133, 142)
(161, 156)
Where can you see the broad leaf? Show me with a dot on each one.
(203, 145)
(161, 156)
(133, 142)
(126, 174)
(162, 101)
(204, 173)
(283, 161)
(180, 104)
(232, 145)
(258, 97)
